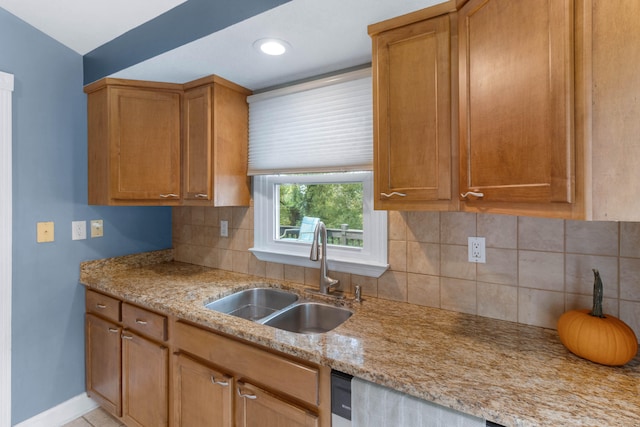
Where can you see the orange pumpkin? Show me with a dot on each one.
(594, 336)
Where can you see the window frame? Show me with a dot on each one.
(368, 260)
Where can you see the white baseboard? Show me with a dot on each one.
(63, 413)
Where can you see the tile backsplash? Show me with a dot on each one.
(536, 268)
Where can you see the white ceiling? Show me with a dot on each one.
(325, 35)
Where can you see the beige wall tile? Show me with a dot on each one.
(211, 257)
(497, 301)
(630, 314)
(181, 214)
(368, 285)
(294, 273)
(397, 251)
(275, 270)
(397, 225)
(198, 236)
(500, 231)
(240, 239)
(392, 285)
(240, 261)
(423, 227)
(225, 259)
(423, 290)
(501, 267)
(257, 267)
(226, 214)
(630, 279)
(454, 262)
(344, 280)
(630, 239)
(592, 237)
(312, 277)
(423, 258)
(242, 217)
(197, 215)
(211, 217)
(579, 274)
(458, 295)
(541, 234)
(456, 227)
(539, 307)
(541, 270)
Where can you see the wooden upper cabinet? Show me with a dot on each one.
(215, 143)
(516, 82)
(412, 115)
(134, 142)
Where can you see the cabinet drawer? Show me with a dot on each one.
(245, 361)
(146, 322)
(103, 305)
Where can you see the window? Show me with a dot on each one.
(288, 206)
(311, 155)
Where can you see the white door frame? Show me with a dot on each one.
(6, 207)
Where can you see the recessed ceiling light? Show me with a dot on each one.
(273, 47)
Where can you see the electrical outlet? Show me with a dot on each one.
(477, 250)
(224, 228)
(78, 230)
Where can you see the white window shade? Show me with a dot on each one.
(320, 126)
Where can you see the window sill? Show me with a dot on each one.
(342, 265)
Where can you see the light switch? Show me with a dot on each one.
(44, 232)
(96, 228)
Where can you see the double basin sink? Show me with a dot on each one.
(281, 309)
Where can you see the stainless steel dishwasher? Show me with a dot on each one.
(340, 399)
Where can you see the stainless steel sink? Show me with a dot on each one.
(309, 318)
(254, 304)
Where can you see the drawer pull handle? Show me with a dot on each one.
(127, 337)
(113, 330)
(248, 396)
(472, 193)
(168, 195)
(141, 322)
(222, 383)
(201, 196)
(101, 306)
(393, 193)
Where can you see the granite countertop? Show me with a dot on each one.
(512, 374)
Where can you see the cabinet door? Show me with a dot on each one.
(516, 101)
(412, 115)
(215, 147)
(103, 366)
(202, 396)
(145, 381)
(197, 144)
(145, 144)
(256, 407)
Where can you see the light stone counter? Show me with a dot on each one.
(512, 374)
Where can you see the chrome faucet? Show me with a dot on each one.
(319, 252)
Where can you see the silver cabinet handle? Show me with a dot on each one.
(472, 193)
(127, 337)
(141, 322)
(393, 193)
(169, 195)
(113, 330)
(201, 196)
(222, 383)
(101, 306)
(248, 396)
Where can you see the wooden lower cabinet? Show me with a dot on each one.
(103, 349)
(258, 407)
(216, 375)
(145, 381)
(202, 396)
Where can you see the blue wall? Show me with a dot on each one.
(50, 184)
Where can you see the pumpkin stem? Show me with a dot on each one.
(597, 295)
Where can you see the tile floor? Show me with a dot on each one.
(96, 418)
